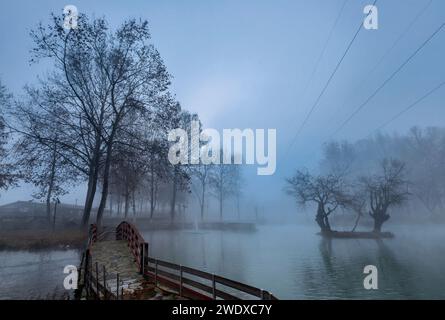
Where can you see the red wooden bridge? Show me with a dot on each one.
(116, 265)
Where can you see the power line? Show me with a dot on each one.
(320, 57)
(383, 57)
(419, 14)
(409, 107)
(328, 82)
(360, 107)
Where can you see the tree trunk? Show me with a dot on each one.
(134, 204)
(51, 183)
(173, 200)
(322, 219)
(356, 222)
(93, 175)
(111, 206)
(380, 217)
(105, 187)
(127, 202)
(152, 190)
(221, 199)
(202, 201)
(237, 207)
(91, 192)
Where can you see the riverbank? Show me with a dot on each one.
(41, 239)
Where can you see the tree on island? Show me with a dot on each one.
(328, 192)
(385, 190)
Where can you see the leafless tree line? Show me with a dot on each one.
(102, 117)
(373, 176)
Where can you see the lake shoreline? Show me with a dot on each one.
(35, 240)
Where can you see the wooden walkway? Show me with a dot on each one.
(116, 265)
(116, 258)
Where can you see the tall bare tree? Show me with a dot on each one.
(223, 182)
(387, 189)
(201, 174)
(328, 192)
(7, 177)
(100, 77)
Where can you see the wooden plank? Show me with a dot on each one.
(226, 296)
(198, 273)
(239, 286)
(198, 285)
(187, 292)
(168, 265)
(168, 275)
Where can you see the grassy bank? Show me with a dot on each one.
(41, 239)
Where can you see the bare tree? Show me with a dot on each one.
(41, 162)
(356, 201)
(385, 190)
(201, 174)
(7, 177)
(100, 77)
(326, 191)
(223, 182)
(238, 189)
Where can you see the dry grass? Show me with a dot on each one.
(41, 239)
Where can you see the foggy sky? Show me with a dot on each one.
(245, 64)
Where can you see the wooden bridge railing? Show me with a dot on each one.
(136, 243)
(95, 286)
(189, 282)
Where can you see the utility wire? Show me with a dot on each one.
(409, 107)
(328, 82)
(320, 57)
(390, 49)
(379, 88)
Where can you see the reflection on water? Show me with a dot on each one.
(34, 275)
(290, 261)
(294, 263)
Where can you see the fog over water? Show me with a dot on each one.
(360, 146)
(296, 265)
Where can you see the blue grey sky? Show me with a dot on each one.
(245, 64)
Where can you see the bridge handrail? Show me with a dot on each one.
(90, 280)
(127, 231)
(150, 267)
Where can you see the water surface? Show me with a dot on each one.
(35, 275)
(294, 263)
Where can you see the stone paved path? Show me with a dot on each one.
(117, 259)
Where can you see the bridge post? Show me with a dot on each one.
(213, 287)
(180, 280)
(265, 295)
(97, 281)
(105, 282)
(142, 257)
(146, 250)
(156, 272)
(86, 274)
(117, 287)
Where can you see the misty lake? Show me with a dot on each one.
(294, 263)
(34, 275)
(291, 261)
